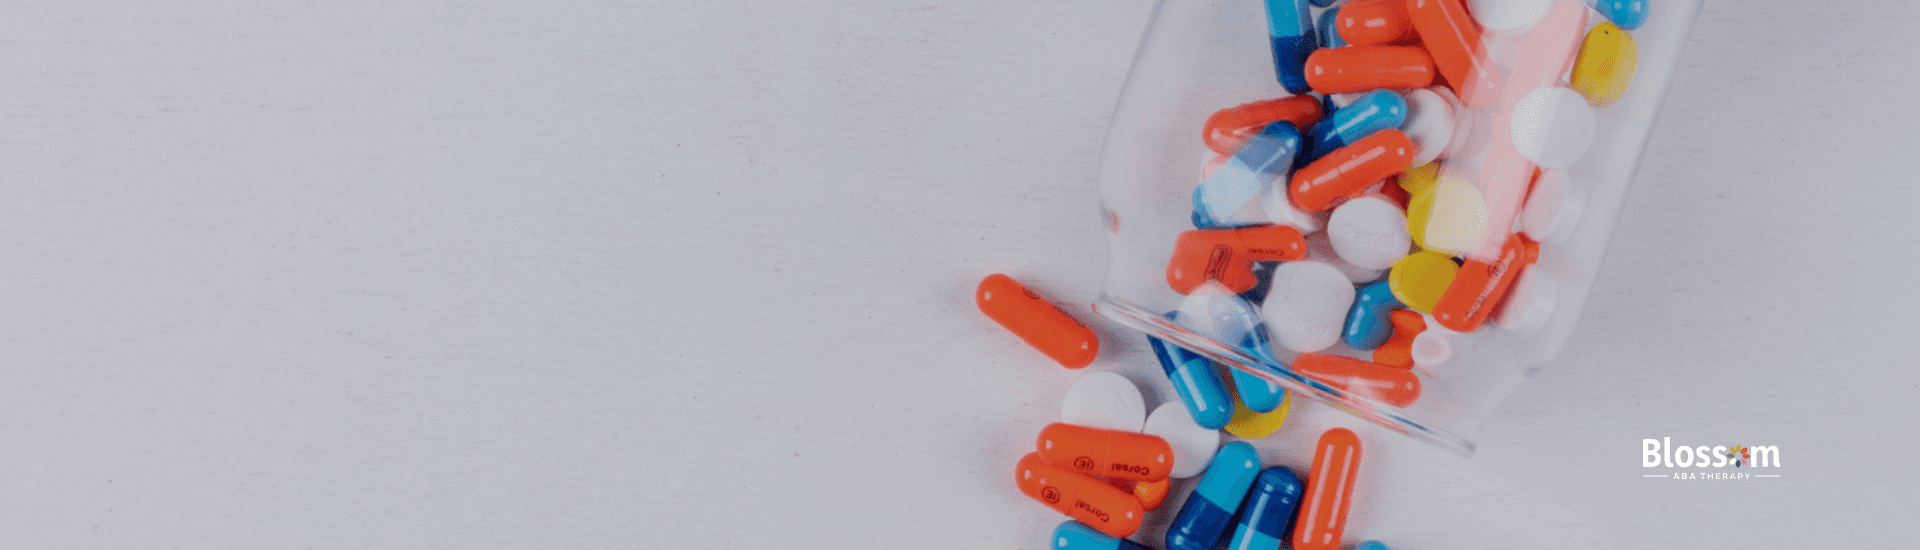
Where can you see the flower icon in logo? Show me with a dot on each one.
(1739, 455)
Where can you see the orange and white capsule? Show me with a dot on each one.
(1364, 68)
(1387, 384)
(1112, 454)
(1323, 512)
(1040, 323)
(1349, 170)
(1092, 501)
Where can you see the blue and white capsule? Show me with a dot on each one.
(1209, 510)
(1074, 535)
(1367, 326)
(1329, 36)
(1377, 110)
(1230, 319)
(1228, 197)
(1626, 14)
(1290, 26)
(1199, 387)
(1264, 517)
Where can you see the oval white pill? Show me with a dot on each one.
(1530, 302)
(1553, 126)
(1307, 305)
(1369, 233)
(1502, 15)
(1320, 249)
(1429, 124)
(1104, 400)
(1553, 208)
(1193, 446)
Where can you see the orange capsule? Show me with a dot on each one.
(1364, 68)
(1228, 255)
(1151, 494)
(1093, 502)
(1479, 286)
(1449, 35)
(1112, 454)
(1391, 385)
(1037, 321)
(1349, 170)
(1369, 22)
(1230, 128)
(1322, 516)
(1398, 351)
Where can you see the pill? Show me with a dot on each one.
(1419, 279)
(1509, 15)
(1320, 249)
(1081, 497)
(1104, 400)
(1208, 511)
(1449, 217)
(1264, 159)
(1364, 68)
(1371, 112)
(1553, 208)
(1267, 510)
(1606, 65)
(1228, 255)
(1113, 454)
(1371, 545)
(1325, 3)
(1194, 380)
(1480, 285)
(1431, 350)
(1247, 424)
(1327, 29)
(1419, 178)
(1152, 494)
(1552, 127)
(1398, 349)
(1036, 321)
(1369, 232)
(1228, 319)
(1371, 22)
(1193, 445)
(1306, 304)
(1281, 211)
(1528, 304)
(1349, 170)
(1429, 124)
(1628, 14)
(1367, 326)
(1323, 511)
(1227, 129)
(1290, 26)
(1449, 35)
(1074, 535)
(1394, 386)
(1390, 190)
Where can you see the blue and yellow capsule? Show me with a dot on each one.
(1209, 510)
(1073, 535)
(1200, 389)
(1264, 517)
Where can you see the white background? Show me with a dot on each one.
(698, 274)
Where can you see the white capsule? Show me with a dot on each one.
(1553, 127)
(1369, 232)
(1530, 302)
(1553, 208)
(1193, 446)
(1104, 400)
(1429, 123)
(1504, 15)
(1306, 305)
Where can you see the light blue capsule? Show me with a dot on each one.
(1626, 14)
(1199, 388)
(1290, 26)
(1269, 506)
(1074, 535)
(1367, 326)
(1229, 319)
(1264, 160)
(1371, 545)
(1377, 110)
(1329, 36)
(1209, 510)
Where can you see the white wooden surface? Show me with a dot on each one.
(689, 274)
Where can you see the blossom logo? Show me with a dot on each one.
(1657, 453)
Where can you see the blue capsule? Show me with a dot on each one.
(1231, 320)
(1377, 110)
(1074, 535)
(1290, 25)
(1209, 510)
(1324, 3)
(1264, 517)
(1367, 326)
(1200, 388)
(1626, 14)
(1330, 37)
(1264, 160)
(1371, 545)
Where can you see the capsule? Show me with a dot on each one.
(1367, 326)
(1290, 26)
(1112, 454)
(1391, 385)
(1323, 513)
(1209, 510)
(1398, 350)
(1420, 279)
(1228, 129)
(1363, 68)
(1264, 517)
(1479, 286)
(1081, 497)
(1628, 14)
(1329, 22)
(1370, 22)
(1449, 35)
(1377, 110)
(1199, 387)
(1262, 161)
(1073, 535)
(1228, 255)
(1229, 319)
(1349, 170)
(1040, 323)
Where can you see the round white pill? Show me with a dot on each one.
(1307, 305)
(1369, 233)
(1280, 210)
(1104, 400)
(1429, 124)
(1431, 350)
(1530, 302)
(1553, 126)
(1553, 208)
(1193, 446)
(1320, 249)
(1502, 15)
